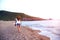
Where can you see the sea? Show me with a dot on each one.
(49, 28)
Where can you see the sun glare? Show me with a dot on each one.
(38, 8)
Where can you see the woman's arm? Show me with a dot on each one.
(15, 21)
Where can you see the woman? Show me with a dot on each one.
(18, 23)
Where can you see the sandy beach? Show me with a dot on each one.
(9, 32)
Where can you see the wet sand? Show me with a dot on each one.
(9, 32)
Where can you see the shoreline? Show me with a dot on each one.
(9, 32)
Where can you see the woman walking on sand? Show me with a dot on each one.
(18, 23)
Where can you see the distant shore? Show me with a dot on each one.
(10, 16)
(9, 32)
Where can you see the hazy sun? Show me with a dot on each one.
(38, 8)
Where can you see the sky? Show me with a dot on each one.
(38, 8)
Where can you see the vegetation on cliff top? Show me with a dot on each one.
(10, 16)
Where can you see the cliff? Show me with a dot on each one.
(9, 16)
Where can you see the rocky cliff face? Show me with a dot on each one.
(6, 15)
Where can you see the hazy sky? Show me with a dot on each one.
(38, 8)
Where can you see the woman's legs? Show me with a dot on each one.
(18, 27)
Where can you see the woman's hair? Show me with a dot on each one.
(18, 17)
